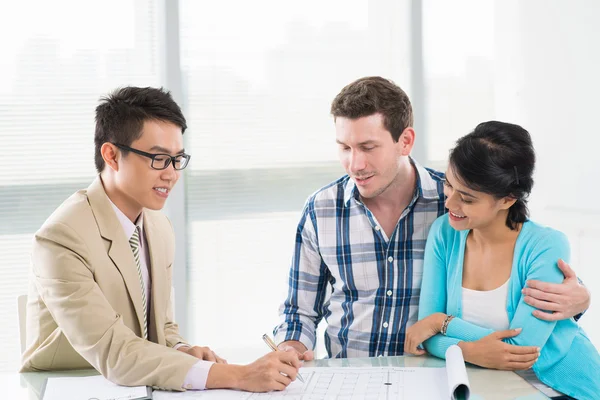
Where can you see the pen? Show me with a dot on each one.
(273, 347)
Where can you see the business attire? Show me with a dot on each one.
(568, 362)
(375, 280)
(100, 296)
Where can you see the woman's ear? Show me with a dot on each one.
(507, 202)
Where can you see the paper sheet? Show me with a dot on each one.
(381, 383)
(343, 384)
(90, 387)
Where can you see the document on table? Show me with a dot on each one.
(377, 383)
(91, 387)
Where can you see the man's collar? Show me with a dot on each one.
(128, 226)
(428, 188)
(350, 191)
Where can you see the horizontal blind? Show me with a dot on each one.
(58, 59)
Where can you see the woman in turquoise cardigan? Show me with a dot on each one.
(478, 259)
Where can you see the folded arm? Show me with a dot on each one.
(526, 330)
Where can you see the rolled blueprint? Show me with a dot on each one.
(458, 380)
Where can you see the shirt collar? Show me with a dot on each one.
(128, 226)
(426, 186)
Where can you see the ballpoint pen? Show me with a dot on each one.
(273, 347)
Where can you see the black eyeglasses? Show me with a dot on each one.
(160, 161)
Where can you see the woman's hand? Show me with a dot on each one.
(421, 331)
(492, 352)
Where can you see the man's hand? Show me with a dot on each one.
(557, 301)
(300, 349)
(275, 371)
(492, 352)
(203, 353)
(421, 331)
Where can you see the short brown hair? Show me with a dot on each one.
(372, 95)
(121, 115)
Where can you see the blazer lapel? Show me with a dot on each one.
(119, 250)
(159, 276)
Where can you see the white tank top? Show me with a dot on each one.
(486, 308)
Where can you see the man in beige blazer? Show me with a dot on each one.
(101, 268)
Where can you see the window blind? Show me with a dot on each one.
(53, 70)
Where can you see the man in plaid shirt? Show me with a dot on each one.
(358, 258)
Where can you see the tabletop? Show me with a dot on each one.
(485, 384)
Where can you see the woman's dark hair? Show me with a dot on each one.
(497, 158)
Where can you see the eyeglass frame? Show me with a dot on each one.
(153, 156)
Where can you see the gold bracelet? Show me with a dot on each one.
(444, 328)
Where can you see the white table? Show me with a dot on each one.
(485, 384)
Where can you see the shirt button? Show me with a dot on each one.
(385, 324)
(389, 292)
(390, 259)
(377, 228)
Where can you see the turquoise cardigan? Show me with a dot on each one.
(568, 362)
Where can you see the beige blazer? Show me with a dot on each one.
(84, 304)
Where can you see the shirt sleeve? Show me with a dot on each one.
(180, 345)
(302, 310)
(197, 375)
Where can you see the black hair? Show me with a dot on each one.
(497, 158)
(120, 116)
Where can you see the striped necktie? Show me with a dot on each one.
(134, 242)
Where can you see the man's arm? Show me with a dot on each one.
(557, 301)
(60, 261)
(65, 282)
(303, 308)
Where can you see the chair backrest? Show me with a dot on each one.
(22, 306)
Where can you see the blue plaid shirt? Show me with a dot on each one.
(347, 270)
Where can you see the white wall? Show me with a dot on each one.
(546, 79)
